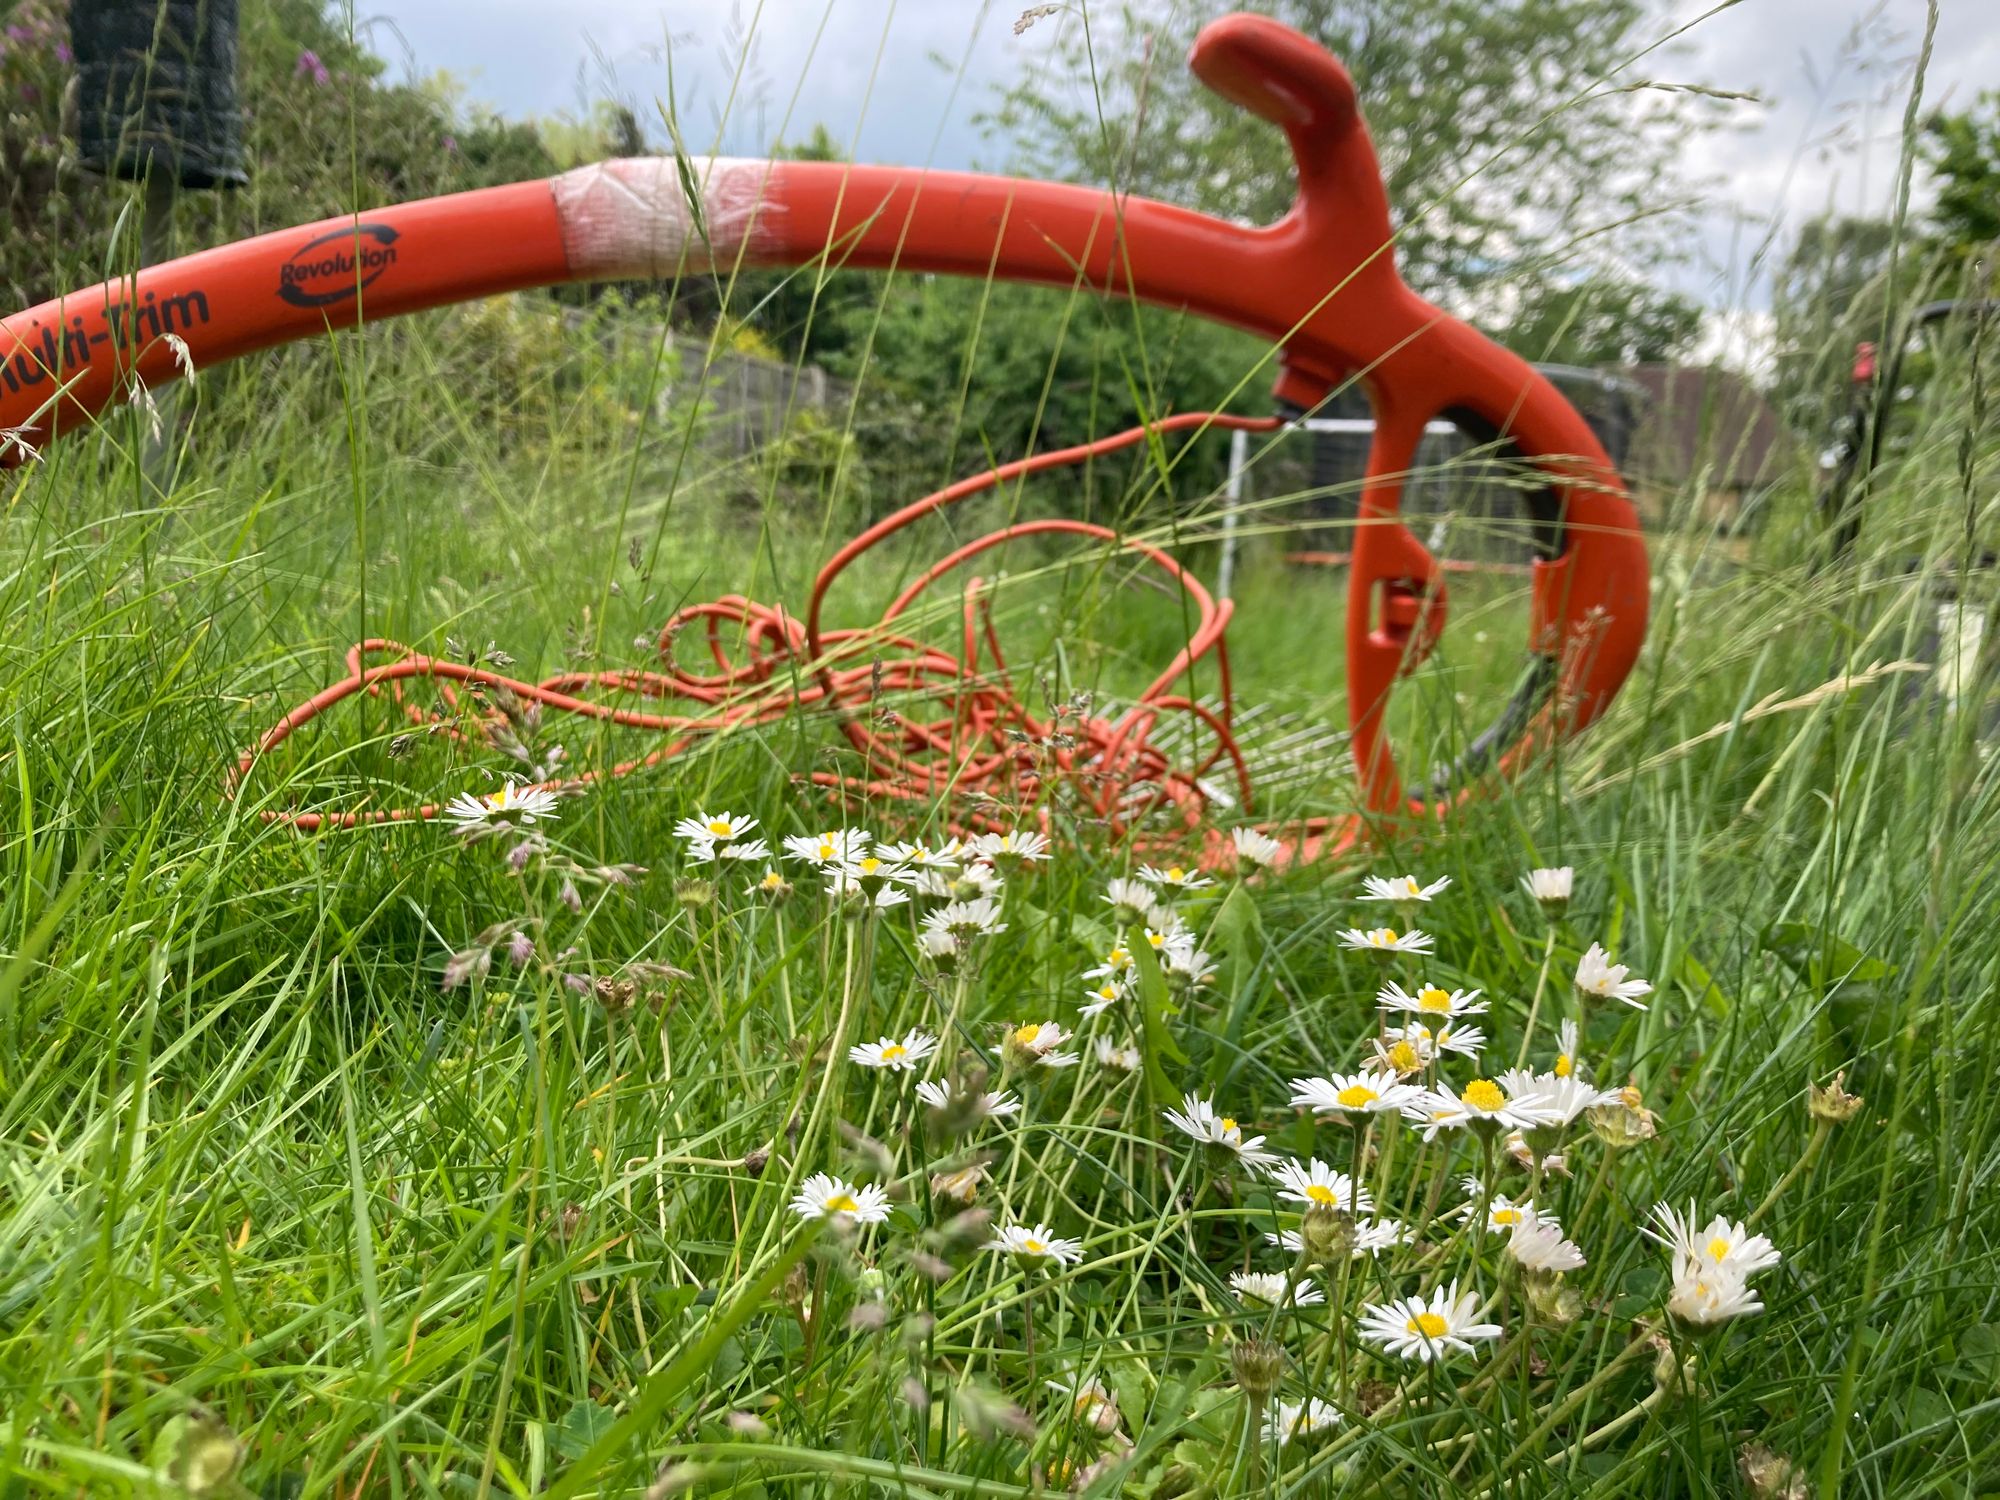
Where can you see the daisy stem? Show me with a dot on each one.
(1535, 1005)
(1821, 1130)
(1485, 1198)
(1597, 1185)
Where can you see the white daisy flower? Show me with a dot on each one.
(1174, 878)
(1433, 1002)
(824, 1196)
(1131, 901)
(1117, 964)
(1537, 1244)
(1268, 1287)
(1316, 1184)
(1568, 1063)
(1371, 1237)
(1551, 887)
(1405, 890)
(995, 1106)
(703, 850)
(1502, 1212)
(968, 884)
(1202, 1123)
(872, 869)
(1720, 1245)
(1292, 1421)
(513, 805)
(1705, 1296)
(1364, 1093)
(714, 828)
(1385, 941)
(1563, 1098)
(1415, 1329)
(1598, 978)
(835, 847)
(1090, 1404)
(1186, 965)
(1254, 850)
(1120, 1058)
(1484, 1105)
(939, 947)
(1101, 998)
(966, 920)
(1017, 846)
(1515, 1144)
(1035, 1043)
(898, 1057)
(1414, 1046)
(915, 856)
(1036, 1244)
(846, 888)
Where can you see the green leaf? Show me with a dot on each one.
(583, 1424)
(1156, 1035)
(1701, 987)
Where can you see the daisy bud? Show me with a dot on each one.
(1554, 1304)
(203, 1456)
(1328, 1234)
(1259, 1365)
(1622, 1125)
(1551, 889)
(774, 888)
(1771, 1476)
(1673, 1377)
(1832, 1105)
(694, 893)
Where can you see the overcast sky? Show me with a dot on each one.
(901, 80)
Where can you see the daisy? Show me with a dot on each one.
(1551, 888)
(898, 1057)
(1721, 1245)
(1567, 1062)
(1405, 890)
(994, 1106)
(1254, 850)
(1131, 900)
(1011, 847)
(940, 948)
(1184, 964)
(1269, 1287)
(1119, 1058)
(1420, 1330)
(823, 1196)
(966, 920)
(967, 884)
(749, 849)
(1432, 1002)
(1537, 1244)
(1174, 878)
(922, 857)
(1598, 978)
(1371, 1237)
(714, 828)
(1385, 941)
(1293, 1420)
(1035, 1043)
(1035, 1244)
(1563, 1099)
(1117, 964)
(836, 847)
(1515, 1144)
(1364, 1093)
(1102, 998)
(1395, 1047)
(514, 804)
(1502, 1212)
(1318, 1185)
(1703, 1297)
(1484, 1105)
(846, 888)
(1220, 1132)
(871, 870)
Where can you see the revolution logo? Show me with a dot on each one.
(336, 267)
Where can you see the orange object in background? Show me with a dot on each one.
(1320, 283)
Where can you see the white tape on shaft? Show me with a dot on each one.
(629, 220)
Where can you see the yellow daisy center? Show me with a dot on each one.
(1403, 1058)
(1484, 1093)
(1357, 1095)
(1506, 1216)
(1157, 939)
(772, 880)
(1385, 937)
(1034, 1246)
(1434, 1001)
(870, 865)
(1175, 872)
(1119, 958)
(826, 849)
(895, 1052)
(1718, 1249)
(1107, 991)
(1027, 1034)
(1562, 1066)
(1319, 1192)
(501, 798)
(842, 1203)
(1410, 886)
(1228, 1125)
(1431, 1325)
(720, 828)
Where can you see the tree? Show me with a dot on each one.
(1526, 98)
(1831, 294)
(1601, 320)
(1963, 153)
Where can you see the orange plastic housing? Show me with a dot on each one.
(1321, 284)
